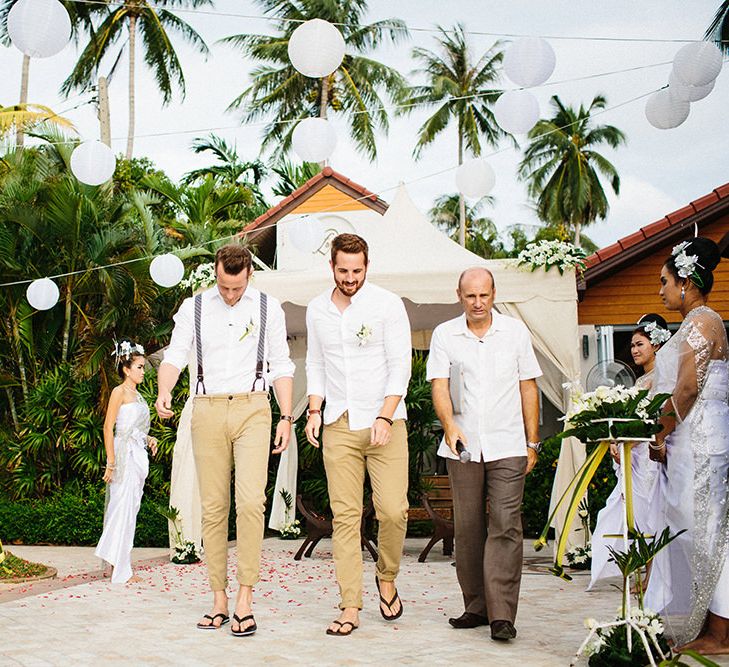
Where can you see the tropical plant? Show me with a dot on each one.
(562, 166)
(20, 117)
(463, 87)
(718, 29)
(154, 22)
(293, 176)
(354, 91)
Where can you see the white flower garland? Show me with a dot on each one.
(201, 277)
(592, 400)
(552, 253)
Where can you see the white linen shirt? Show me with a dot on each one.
(492, 418)
(354, 374)
(229, 363)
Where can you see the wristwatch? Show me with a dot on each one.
(536, 446)
(287, 418)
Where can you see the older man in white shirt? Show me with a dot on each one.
(236, 338)
(490, 355)
(358, 359)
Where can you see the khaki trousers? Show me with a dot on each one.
(229, 430)
(489, 557)
(346, 456)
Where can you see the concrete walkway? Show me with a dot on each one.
(81, 619)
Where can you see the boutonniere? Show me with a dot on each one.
(363, 335)
(248, 330)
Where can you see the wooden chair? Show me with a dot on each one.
(318, 526)
(440, 511)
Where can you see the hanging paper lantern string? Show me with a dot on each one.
(93, 162)
(42, 294)
(698, 63)
(307, 235)
(314, 139)
(167, 270)
(475, 178)
(39, 28)
(529, 61)
(686, 92)
(516, 111)
(666, 111)
(316, 48)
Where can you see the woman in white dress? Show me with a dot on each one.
(126, 441)
(689, 584)
(650, 334)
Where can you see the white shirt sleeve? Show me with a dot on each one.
(279, 359)
(438, 364)
(527, 360)
(315, 370)
(183, 336)
(398, 349)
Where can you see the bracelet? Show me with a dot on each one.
(110, 467)
(656, 447)
(312, 412)
(286, 418)
(384, 419)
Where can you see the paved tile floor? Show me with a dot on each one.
(81, 619)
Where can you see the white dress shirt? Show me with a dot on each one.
(355, 373)
(492, 418)
(229, 363)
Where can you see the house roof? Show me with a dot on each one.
(671, 227)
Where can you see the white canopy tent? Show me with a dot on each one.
(410, 257)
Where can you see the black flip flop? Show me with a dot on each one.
(211, 625)
(248, 631)
(338, 632)
(389, 604)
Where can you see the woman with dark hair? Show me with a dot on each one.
(126, 441)
(689, 582)
(648, 337)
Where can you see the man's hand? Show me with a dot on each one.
(163, 405)
(615, 451)
(152, 445)
(380, 433)
(283, 435)
(532, 458)
(312, 428)
(452, 435)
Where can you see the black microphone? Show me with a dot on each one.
(463, 453)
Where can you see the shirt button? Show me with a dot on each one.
(230, 398)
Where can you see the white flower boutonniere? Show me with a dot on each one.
(248, 330)
(364, 334)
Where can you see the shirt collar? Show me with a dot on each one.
(497, 324)
(251, 294)
(363, 291)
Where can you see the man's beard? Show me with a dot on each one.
(349, 291)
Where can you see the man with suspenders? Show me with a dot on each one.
(237, 337)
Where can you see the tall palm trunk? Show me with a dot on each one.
(13, 410)
(323, 104)
(25, 74)
(461, 200)
(132, 60)
(19, 352)
(67, 319)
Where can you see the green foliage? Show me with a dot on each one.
(616, 654)
(676, 660)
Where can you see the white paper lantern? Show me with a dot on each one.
(166, 270)
(306, 234)
(516, 111)
(93, 162)
(42, 294)
(316, 48)
(475, 178)
(314, 139)
(665, 111)
(686, 92)
(39, 28)
(529, 61)
(698, 63)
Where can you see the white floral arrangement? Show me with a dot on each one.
(612, 638)
(579, 558)
(248, 330)
(185, 553)
(545, 254)
(657, 334)
(290, 530)
(201, 277)
(363, 335)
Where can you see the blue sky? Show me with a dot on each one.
(660, 170)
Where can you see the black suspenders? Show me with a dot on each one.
(261, 344)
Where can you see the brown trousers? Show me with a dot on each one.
(489, 557)
(346, 456)
(227, 430)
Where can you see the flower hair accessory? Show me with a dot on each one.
(657, 334)
(686, 264)
(123, 351)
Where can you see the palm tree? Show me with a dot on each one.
(463, 88)
(81, 21)
(718, 30)
(292, 176)
(563, 169)
(22, 116)
(353, 91)
(153, 23)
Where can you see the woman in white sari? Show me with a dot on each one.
(126, 441)
(689, 582)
